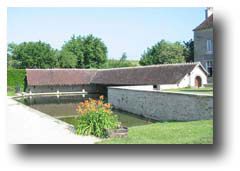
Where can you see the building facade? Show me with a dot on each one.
(203, 42)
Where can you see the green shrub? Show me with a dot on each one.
(16, 77)
(95, 117)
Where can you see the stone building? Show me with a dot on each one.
(97, 80)
(203, 42)
(62, 80)
(159, 76)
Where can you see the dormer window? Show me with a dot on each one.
(209, 47)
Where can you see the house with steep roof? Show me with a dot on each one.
(97, 80)
(203, 42)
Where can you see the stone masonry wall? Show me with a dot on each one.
(161, 105)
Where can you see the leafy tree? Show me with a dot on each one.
(11, 47)
(163, 52)
(67, 60)
(124, 57)
(89, 51)
(188, 52)
(11, 63)
(32, 55)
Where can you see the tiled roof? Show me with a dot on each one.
(155, 74)
(59, 76)
(208, 23)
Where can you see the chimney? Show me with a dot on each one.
(208, 12)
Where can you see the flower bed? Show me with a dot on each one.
(95, 117)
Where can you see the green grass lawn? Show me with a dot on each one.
(205, 90)
(193, 132)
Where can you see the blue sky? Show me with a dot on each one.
(129, 30)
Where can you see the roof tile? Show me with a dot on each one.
(208, 23)
(144, 75)
(59, 76)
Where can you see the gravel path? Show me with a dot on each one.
(28, 126)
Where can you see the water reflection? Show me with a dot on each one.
(64, 108)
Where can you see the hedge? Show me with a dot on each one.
(16, 77)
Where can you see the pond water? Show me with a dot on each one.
(64, 108)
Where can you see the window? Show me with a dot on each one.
(155, 86)
(209, 67)
(209, 47)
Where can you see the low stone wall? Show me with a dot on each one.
(162, 105)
